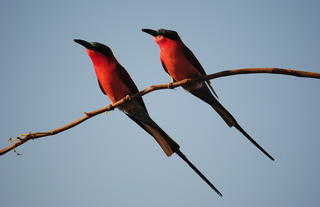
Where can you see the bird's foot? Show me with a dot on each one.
(170, 85)
(128, 98)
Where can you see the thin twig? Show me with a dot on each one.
(88, 115)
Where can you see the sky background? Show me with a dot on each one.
(47, 81)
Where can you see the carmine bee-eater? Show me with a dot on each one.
(180, 63)
(116, 83)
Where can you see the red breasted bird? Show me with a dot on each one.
(116, 83)
(180, 63)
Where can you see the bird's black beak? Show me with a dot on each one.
(85, 44)
(150, 32)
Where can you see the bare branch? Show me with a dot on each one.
(88, 115)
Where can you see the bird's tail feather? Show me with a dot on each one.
(253, 141)
(204, 94)
(168, 145)
(182, 156)
(213, 91)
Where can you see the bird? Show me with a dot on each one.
(180, 63)
(116, 83)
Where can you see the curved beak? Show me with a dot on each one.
(84, 43)
(150, 32)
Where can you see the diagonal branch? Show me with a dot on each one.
(27, 137)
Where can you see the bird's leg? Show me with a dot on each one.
(170, 85)
(128, 97)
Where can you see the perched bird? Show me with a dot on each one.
(180, 63)
(116, 83)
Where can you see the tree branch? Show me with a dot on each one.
(21, 140)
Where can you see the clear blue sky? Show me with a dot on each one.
(47, 81)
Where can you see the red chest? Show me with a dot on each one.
(112, 83)
(106, 68)
(178, 66)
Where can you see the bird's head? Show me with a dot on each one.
(97, 52)
(163, 36)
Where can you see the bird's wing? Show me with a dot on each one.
(194, 61)
(125, 77)
(101, 88)
(165, 69)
